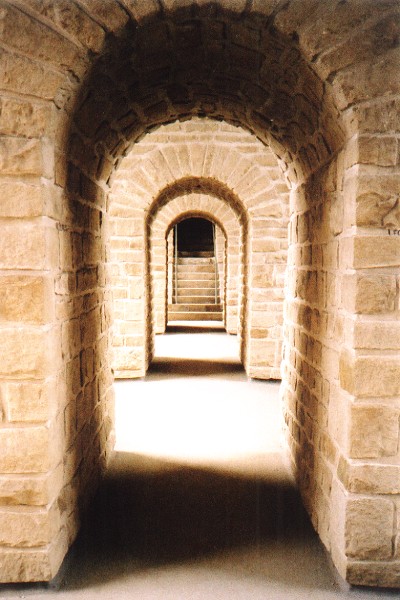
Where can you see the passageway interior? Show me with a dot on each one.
(196, 281)
(198, 501)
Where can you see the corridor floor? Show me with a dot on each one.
(198, 502)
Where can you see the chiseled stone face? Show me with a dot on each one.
(307, 107)
(369, 528)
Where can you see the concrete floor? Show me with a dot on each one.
(198, 502)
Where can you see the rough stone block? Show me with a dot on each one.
(368, 294)
(111, 15)
(20, 156)
(29, 401)
(20, 565)
(374, 431)
(71, 338)
(22, 118)
(364, 478)
(28, 246)
(374, 251)
(128, 359)
(338, 415)
(369, 528)
(376, 194)
(14, 457)
(380, 116)
(265, 245)
(23, 76)
(25, 529)
(28, 352)
(349, 84)
(383, 335)
(29, 37)
(370, 376)
(74, 20)
(372, 573)
(26, 299)
(262, 353)
(31, 490)
(375, 294)
(378, 150)
(20, 199)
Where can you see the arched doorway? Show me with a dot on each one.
(321, 113)
(196, 283)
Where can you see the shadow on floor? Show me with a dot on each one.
(188, 367)
(149, 513)
(198, 328)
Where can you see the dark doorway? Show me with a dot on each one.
(195, 235)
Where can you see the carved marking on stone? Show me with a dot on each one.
(372, 208)
(392, 218)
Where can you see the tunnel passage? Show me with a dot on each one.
(195, 234)
(219, 156)
(317, 82)
(195, 277)
(230, 246)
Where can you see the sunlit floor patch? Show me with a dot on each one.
(197, 406)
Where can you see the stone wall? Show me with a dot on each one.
(317, 84)
(226, 265)
(228, 225)
(224, 161)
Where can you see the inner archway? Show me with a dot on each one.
(195, 278)
(174, 145)
(299, 121)
(195, 234)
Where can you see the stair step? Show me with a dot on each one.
(185, 287)
(194, 316)
(196, 254)
(195, 307)
(183, 269)
(194, 260)
(197, 300)
(193, 290)
(194, 275)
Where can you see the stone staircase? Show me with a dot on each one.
(194, 289)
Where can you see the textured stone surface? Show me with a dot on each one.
(287, 72)
(21, 118)
(225, 163)
(377, 251)
(19, 156)
(377, 335)
(374, 431)
(26, 299)
(28, 353)
(28, 530)
(27, 246)
(30, 402)
(30, 490)
(364, 478)
(20, 199)
(369, 528)
(15, 442)
(369, 293)
(370, 376)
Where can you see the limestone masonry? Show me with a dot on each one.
(278, 120)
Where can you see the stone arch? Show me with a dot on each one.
(69, 113)
(221, 257)
(221, 214)
(219, 160)
(213, 198)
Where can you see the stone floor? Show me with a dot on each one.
(198, 502)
